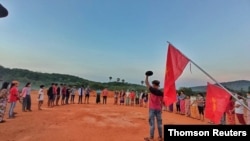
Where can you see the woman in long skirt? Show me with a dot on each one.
(98, 96)
(3, 100)
(182, 103)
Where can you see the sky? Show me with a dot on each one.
(96, 39)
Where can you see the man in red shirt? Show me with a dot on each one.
(155, 108)
(105, 95)
(132, 97)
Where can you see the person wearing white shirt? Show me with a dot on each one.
(80, 93)
(239, 110)
(40, 97)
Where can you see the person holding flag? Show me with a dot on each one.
(155, 107)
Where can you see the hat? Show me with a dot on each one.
(156, 82)
(149, 73)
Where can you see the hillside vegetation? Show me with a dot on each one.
(38, 78)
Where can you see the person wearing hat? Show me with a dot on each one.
(155, 108)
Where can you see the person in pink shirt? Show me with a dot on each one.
(105, 95)
(155, 108)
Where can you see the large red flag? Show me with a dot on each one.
(217, 100)
(176, 63)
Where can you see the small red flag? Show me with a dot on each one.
(175, 64)
(216, 102)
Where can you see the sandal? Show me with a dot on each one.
(148, 139)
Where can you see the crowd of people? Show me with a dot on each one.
(62, 94)
(194, 107)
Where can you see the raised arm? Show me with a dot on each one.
(147, 82)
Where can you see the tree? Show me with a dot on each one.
(187, 91)
(142, 82)
(110, 78)
(118, 79)
(123, 80)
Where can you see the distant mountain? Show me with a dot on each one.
(239, 85)
(39, 78)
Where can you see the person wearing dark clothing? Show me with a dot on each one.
(67, 95)
(50, 95)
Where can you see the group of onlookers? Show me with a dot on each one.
(131, 98)
(194, 107)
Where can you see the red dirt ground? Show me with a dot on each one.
(83, 122)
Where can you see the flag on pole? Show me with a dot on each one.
(175, 64)
(217, 100)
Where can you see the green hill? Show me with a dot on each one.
(38, 78)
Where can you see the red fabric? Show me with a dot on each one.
(217, 100)
(105, 92)
(13, 94)
(176, 63)
(54, 90)
(132, 95)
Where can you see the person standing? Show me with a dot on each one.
(127, 99)
(98, 96)
(122, 96)
(104, 95)
(230, 114)
(137, 98)
(248, 104)
(239, 110)
(72, 99)
(54, 94)
(87, 94)
(182, 103)
(68, 91)
(50, 94)
(40, 97)
(59, 94)
(155, 108)
(64, 92)
(145, 100)
(201, 105)
(13, 99)
(187, 106)
(80, 93)
(141, 98)
(178, 107)
(132, 98)
(3, 100)
(116, 97)
(26, 105)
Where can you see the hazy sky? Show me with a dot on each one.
(95, 39)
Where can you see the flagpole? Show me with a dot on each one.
(214, 80)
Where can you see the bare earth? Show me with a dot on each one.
(83, 122)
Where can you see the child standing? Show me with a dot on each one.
(40, 97)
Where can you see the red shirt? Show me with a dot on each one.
(64, 90)
(13, 94)
(54, 90)
(132, 95)
(105, 92)
(230, 107)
